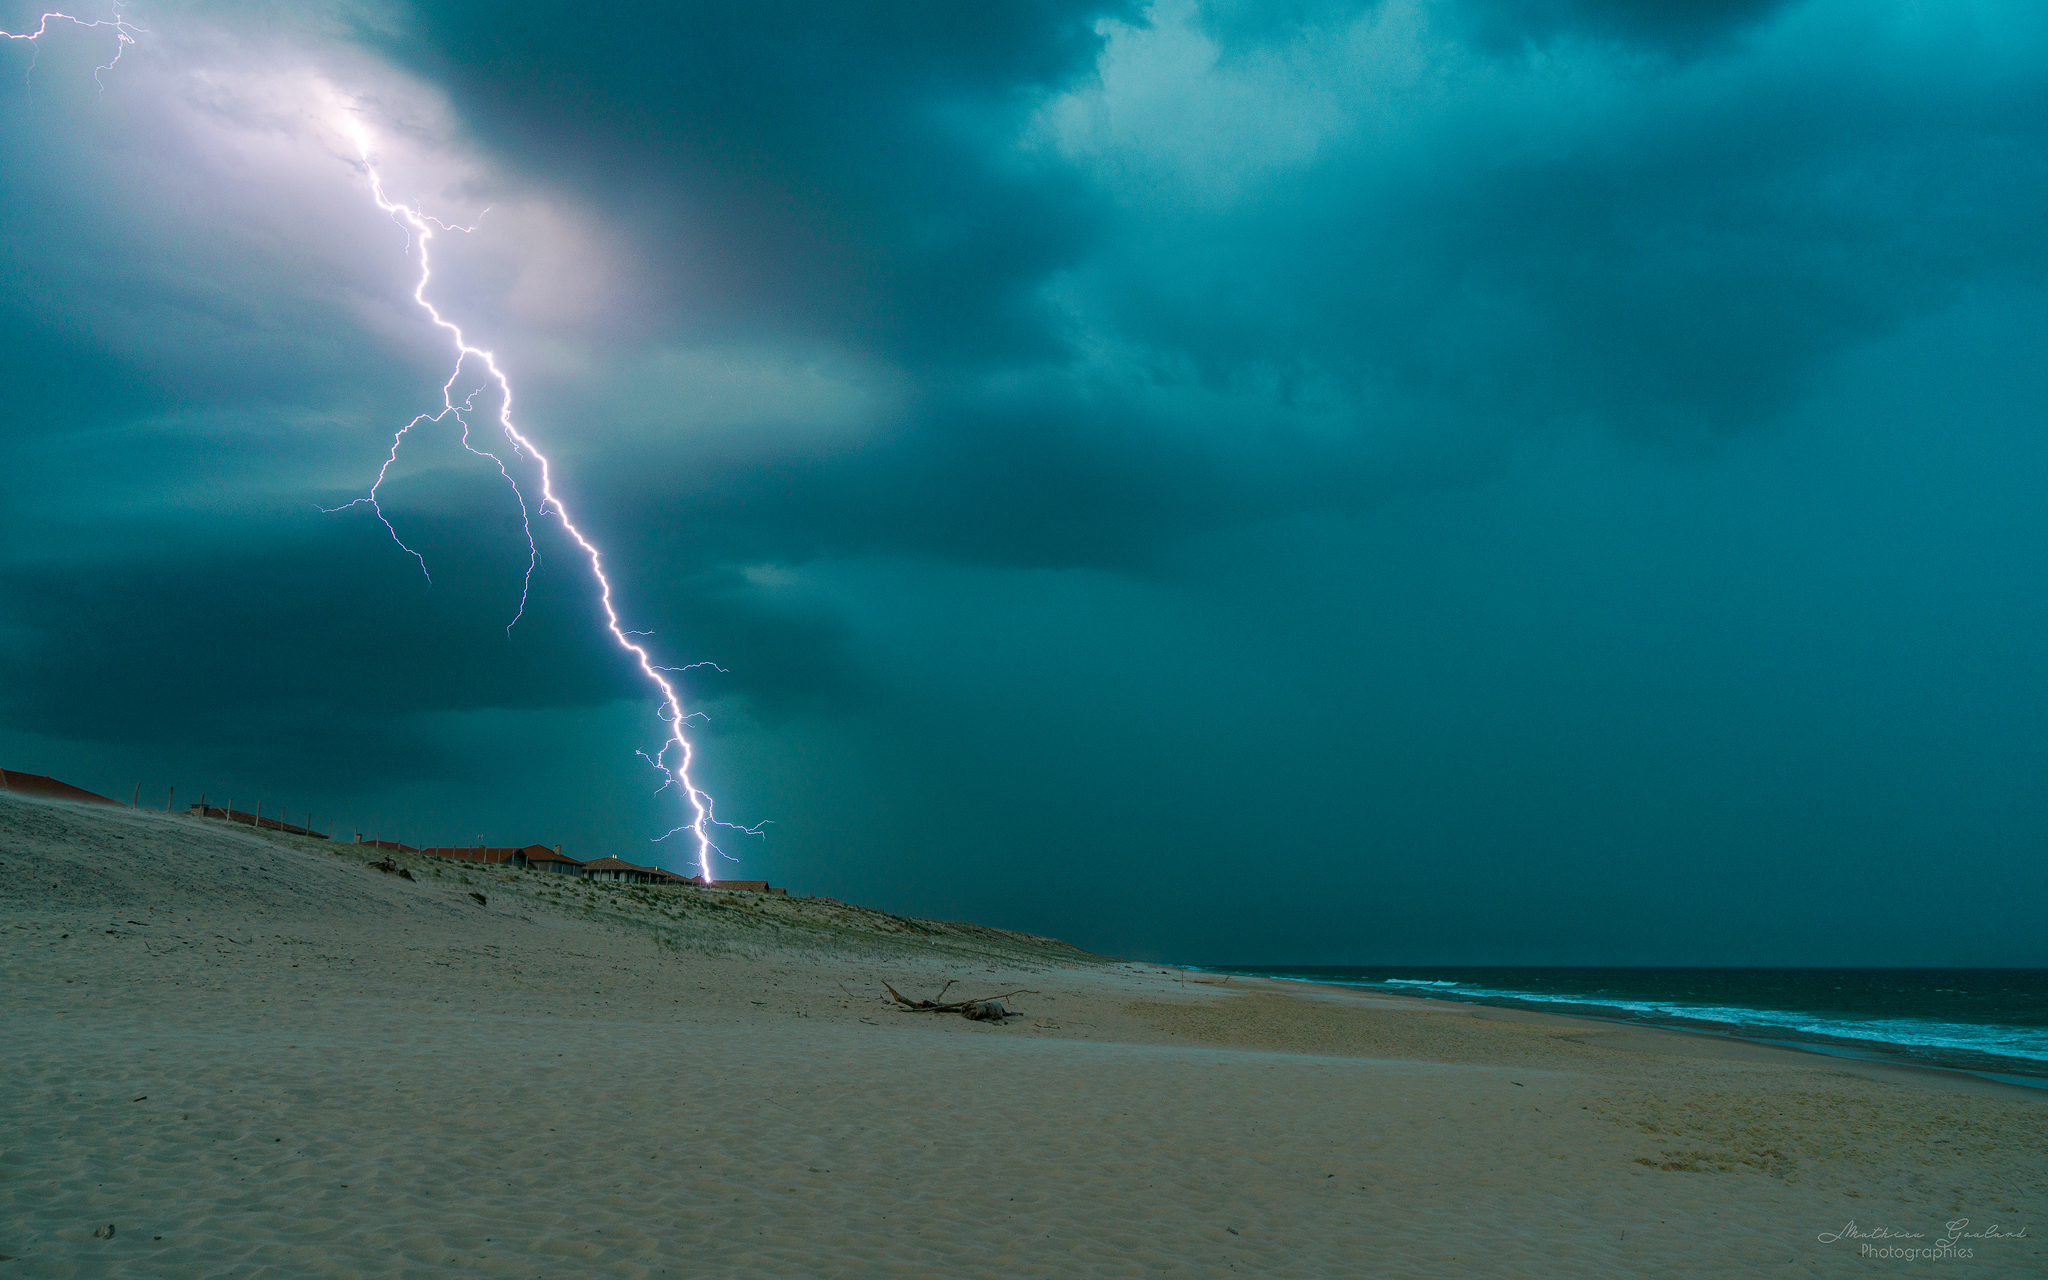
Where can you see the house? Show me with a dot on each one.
(536, 857)
(203, 810)
(481, 853)
(748, 886)
(541, 858)
(42, 788)
(620, 871)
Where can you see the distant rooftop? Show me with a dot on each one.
(43, 788)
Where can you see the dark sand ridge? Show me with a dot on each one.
(282, 1062)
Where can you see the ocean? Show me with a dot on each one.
(1989, 1022)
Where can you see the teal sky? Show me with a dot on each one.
(1303, 482)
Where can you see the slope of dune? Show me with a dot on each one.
(258, 1055)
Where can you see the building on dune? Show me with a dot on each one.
(747, 886)
(607, 870)
(620, 871)
(547, 859)
(539, 857)
(488, 854)
(204, 810)
(534, 857)
(38, 787)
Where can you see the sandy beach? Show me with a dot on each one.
(259, 1055)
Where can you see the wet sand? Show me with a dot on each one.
(255, 1055)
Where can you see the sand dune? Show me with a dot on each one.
(255, 1055)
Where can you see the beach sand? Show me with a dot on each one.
(256, 1055)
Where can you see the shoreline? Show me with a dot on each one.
(241, 1051)
(1849, 1050)
(1947, 1079)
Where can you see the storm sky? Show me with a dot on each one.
(1428, 481)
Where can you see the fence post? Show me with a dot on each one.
(168, 797)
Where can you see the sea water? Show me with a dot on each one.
(1991, 1022)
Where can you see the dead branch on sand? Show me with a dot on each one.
(985, 1009)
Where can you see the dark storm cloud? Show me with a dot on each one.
(1653, 248)
(1241, 25)
(1532, 444)
(325, 621)
(1670, 26)
(1675, 26)
(810, 168)
(1038, 472)
(1145, 275)
(1444, 243)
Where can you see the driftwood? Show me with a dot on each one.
(985, 1009)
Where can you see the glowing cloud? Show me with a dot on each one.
(673, 760)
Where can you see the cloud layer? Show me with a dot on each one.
(1065, 333)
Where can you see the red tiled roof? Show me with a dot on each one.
(35, 784)
(541, 853)
(236, 815)
(664, 873)
(620, 864)
(751, 886)
(470, 853)
(494, 854)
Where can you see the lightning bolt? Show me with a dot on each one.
(122, 38)
(674, 758)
